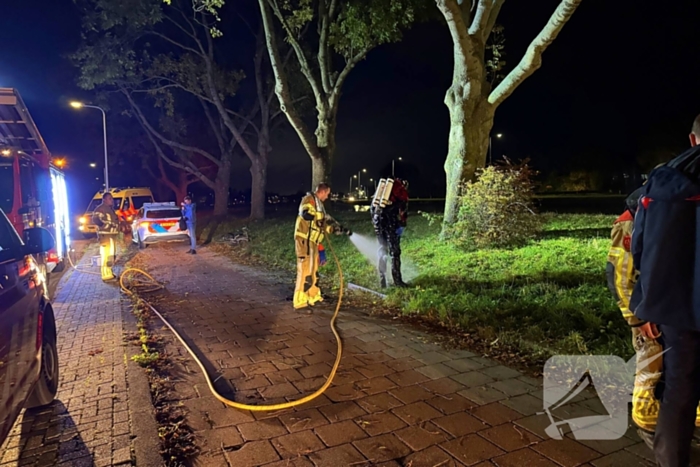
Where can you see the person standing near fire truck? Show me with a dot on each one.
(107, 222)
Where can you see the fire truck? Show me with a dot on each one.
(32, 188)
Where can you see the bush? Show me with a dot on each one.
(498, 210)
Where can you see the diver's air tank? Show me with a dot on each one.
(378, 193)
(386, 193)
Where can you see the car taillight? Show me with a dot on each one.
(52, 257)
(40, 330)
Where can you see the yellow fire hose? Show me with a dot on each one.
(153, 285)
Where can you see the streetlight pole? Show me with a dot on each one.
(393, 163)
(359, 178)
(78, 105)
(350, 189)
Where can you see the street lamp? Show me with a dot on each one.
(354, 176)
(498, 135)
(93, 165)
(80, 105)
(374, 182)
(393, 163)
(359, 177)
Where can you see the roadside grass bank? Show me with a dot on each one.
(548, 297)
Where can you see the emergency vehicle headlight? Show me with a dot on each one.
(83, 220)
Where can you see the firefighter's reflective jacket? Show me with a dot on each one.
(622, 277)
(312, 221)
(620, 270)
(106, 219)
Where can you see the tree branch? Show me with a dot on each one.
(301, 57)
(214, 127)
(323, 45)
(281, 84)
(462, 42)
(349, 65)
(162, 138)
(532, 59)
(190, 168)
(493, 16)
(481, 17)
(175, 43)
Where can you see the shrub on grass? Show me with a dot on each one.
(498, 210)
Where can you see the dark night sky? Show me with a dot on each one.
(620, 73)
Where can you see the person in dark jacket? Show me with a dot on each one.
(389, 224)
(666, 251)
(190, 216)
(107, 222)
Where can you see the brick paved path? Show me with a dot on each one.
(398, 399)
(90, 422)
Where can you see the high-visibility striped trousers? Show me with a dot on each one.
(306, 292)
(645, 404)
(107, 253)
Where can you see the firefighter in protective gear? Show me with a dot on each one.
(312, 225)
(389, 223)
(107, 222)
(622, 277)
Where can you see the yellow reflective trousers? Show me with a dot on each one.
(107, 253)
(622, 277)
(306, 292)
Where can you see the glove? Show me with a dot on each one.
(399, 231)
(321, 255)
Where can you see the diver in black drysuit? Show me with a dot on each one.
(389, 224)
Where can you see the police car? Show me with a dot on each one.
(157, 222)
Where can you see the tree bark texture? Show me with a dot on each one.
(221, 190)
(471, 101)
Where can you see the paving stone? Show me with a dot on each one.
(521, 458)
(411, 394)
(375, 385)
(460, 424)
(525, 404)
(566, 452)
(416, 413)
(621, 458)
(407, 378)
(340, 433)
(436, 371)
(442, 386)
(471, 449)
(472, 379)
(464, 365)
(303, 420)
(482, 395)
(344, 393)
(451, 403)
(337, 456)
(380, 423)
(382, 448)
(297, 444)
(342, 411)
(252, 454)
(431, 457)
(262, 429)
(375, 370)
(432, 358)
(379, 403)
(298, 462)
(509, 437)
(495, 414)
(512, 387)
(419, 437)
(501, 372)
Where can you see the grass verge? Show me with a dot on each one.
(544, 298)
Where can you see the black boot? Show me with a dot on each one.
(382, 282)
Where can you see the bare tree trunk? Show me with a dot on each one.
(223, 183)
(467, 149)
(258, 198)
(322, 161)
